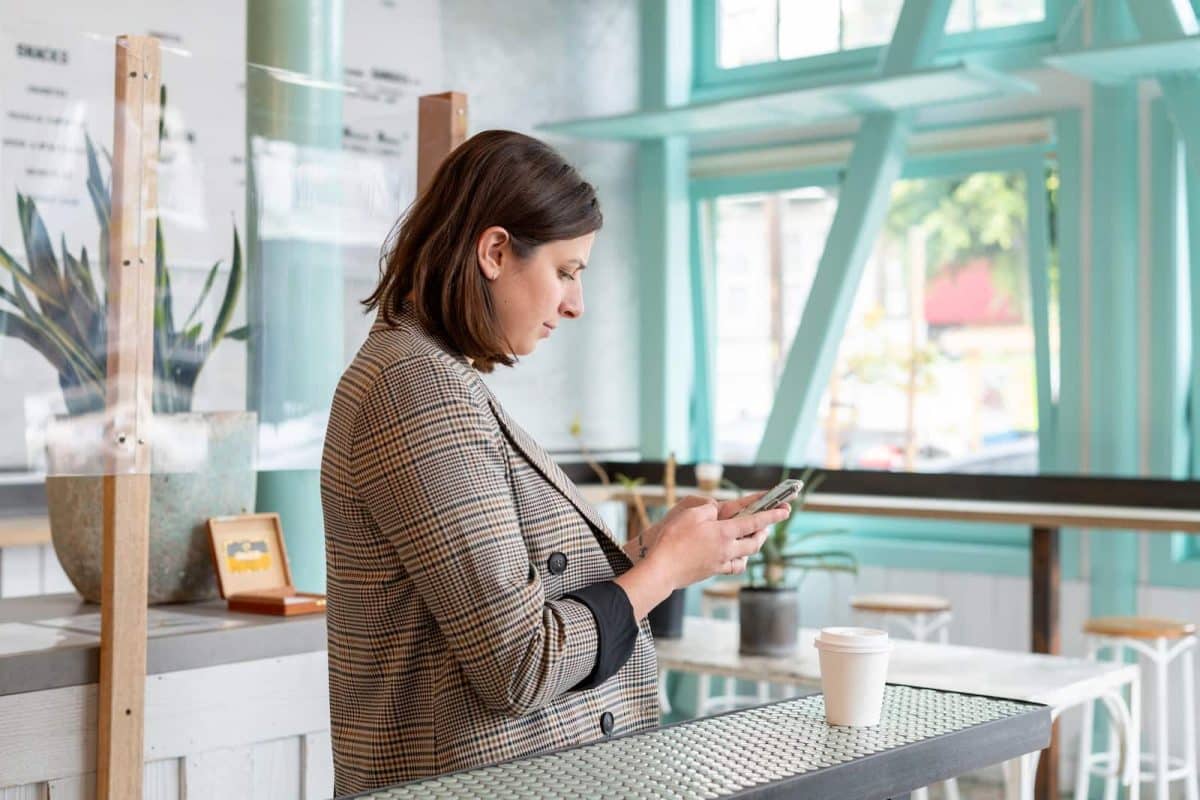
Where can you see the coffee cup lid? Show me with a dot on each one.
(853, 640)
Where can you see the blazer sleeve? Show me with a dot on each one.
(432, 473)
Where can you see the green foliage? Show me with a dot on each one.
(981, 215)
(57, 307)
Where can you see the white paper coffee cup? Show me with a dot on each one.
(853, 671)
(708, 476)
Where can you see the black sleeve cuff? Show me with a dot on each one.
(616, 629)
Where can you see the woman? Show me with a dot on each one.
(479, 609)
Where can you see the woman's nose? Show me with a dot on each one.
(572, 304)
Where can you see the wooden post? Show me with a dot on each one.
(126, 509)
(441, 127)
(1045, 576)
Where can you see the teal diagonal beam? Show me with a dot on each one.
(1160, 20)
(862, 203)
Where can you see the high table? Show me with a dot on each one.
(1152, 506)
(710, 646)
(783, 749)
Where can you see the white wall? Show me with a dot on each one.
(540, 61)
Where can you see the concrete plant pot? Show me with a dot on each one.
(769, 621)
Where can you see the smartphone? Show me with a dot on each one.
(784, 492)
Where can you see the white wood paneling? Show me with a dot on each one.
(219, 773)
(317, 765)
(188, 712)
(236, 704)
(76, 787)
(277, 766)
(29, 792)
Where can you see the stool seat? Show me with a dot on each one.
(1139, 627)
(723, 590)
(894, 603)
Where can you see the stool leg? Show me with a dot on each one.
(1189, 722)
(1134, 772)
(1161, 741)
(1112, 778)
(664, 702)
(919, 794)
(1083, 774)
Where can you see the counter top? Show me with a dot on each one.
(52, 641)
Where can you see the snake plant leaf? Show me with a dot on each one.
(101, 203)
(164, 323)
(39, 255)
(21, 277)
(18, 327)
(204, 290)
(79, 307)
(232, 288)
(52, 336)
(239, 334)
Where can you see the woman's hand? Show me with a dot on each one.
(701, 538)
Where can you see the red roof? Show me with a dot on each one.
(966, 295)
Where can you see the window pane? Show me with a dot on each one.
(949, 387)
(996, 13)
(869, 22)
(743, 382)
(807, 28)
(959, 19)
(935, 371)
(747, 32)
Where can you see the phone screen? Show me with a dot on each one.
(782, 493)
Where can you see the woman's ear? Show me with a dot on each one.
(491, 251)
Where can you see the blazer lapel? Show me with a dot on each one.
(546, 465)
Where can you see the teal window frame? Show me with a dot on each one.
(1010, 46)
(998, 549)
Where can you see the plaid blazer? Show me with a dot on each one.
(451, 541)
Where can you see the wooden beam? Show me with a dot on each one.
(865, 194)
(126, 508)
(21, 531)
(1045, 575)
(441, 127)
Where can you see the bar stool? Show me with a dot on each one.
(922, 616)
(1162, 641)
(720, 599)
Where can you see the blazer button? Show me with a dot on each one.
(557, 563)
(606, 723)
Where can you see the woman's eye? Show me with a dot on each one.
(566, 275)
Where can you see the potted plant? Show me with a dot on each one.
(769, 602)
(203, 463)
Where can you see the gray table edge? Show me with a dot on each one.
(893, 773)
(259, 637)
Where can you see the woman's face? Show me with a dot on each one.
(532, 295)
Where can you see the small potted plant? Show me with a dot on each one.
(769, 602)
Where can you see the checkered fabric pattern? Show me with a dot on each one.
(450, 642)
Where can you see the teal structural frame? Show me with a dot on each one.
(703, 425)
(294, 287)
(1171, 347)
(665, 296)
(900, 543)
(1113, 334)
(1159, 20)
(1009, 47)
(1038, 252)
(1069, 406)
(876, 162)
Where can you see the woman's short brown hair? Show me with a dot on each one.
(494, 178)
